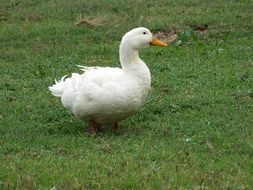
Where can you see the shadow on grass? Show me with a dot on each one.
(74, 127)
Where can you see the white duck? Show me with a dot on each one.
(105, 95)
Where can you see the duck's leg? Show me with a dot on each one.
(116, 127)
(93, 126)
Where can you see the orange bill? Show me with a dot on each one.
(157, 42)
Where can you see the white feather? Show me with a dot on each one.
(58, 88)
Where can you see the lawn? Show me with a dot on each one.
(195, 130)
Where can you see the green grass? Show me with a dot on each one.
(195, 130)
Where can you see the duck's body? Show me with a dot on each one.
(105, 95)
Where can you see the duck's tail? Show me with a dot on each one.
(58, 88)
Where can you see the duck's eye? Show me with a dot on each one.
(144, 33)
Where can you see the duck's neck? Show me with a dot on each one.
(134, 66)
(128, 56)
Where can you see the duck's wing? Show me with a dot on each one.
(101, 84)
(88, 86)
(102, 91)
(101, 75)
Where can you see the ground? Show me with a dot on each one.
(195, 130)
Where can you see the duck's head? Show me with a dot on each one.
(141, 37)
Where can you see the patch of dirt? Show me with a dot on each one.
(199, 28)
(33, 17)
(167, 36)
(90, 21)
